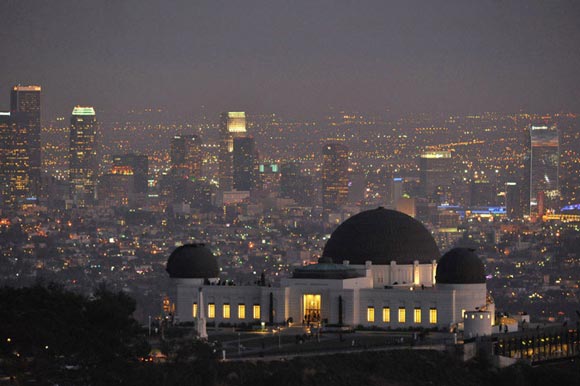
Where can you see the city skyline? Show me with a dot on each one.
(295, 59)
(194, 190)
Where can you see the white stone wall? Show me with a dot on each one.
(402, 298)
(186, 291)
(468, 297)
(187, 295)
(357, 294)
(476, 324)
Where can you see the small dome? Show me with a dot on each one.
(192, 261)
(460, 266)
(381, 236)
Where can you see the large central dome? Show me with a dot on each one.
(381, 236)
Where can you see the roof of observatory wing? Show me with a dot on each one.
(192, 261)
(460, 266)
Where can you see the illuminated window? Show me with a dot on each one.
(241, 311)
(462, 314)
(194, 310)
(256, 310)
(402, 314)
(226, 311)
(433, 316)
(371, 314)
(417, 315)
(386, 315)
(211, 310)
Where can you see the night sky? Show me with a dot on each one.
(297, 57)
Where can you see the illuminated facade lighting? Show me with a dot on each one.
(232, 125)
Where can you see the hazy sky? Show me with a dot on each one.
(294, 57)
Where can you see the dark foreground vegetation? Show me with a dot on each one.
(49, 336)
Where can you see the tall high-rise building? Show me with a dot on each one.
(397, 190)
(186, 156)
(436, 174)
(244, 163)
(296, 185)
(544, 169)
(25, 115)
(289, 177)
(83, 162)
(138, 165)
(14, 156)
(232, 125)
(481, 192)
(513, 204)
(334, 176)
(6, 168)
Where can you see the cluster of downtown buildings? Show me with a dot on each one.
(534, 192)
(127, 182)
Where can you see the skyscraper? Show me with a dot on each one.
(544, 170)
(513, 205)
(244, 162)
(481, 192)
(139, 166)
(25, 115)
(334, 176)
(186, 156)
(15, 173)
(232, 125)
(6, 169)
(397, 190)
(296, 185)
(289, 180)
(83, 163)
(436, 174)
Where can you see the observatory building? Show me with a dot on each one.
(379, 268)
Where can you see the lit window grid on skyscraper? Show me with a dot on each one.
(26, 153)
(334, 176)
(83, 163)
(545, 162)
